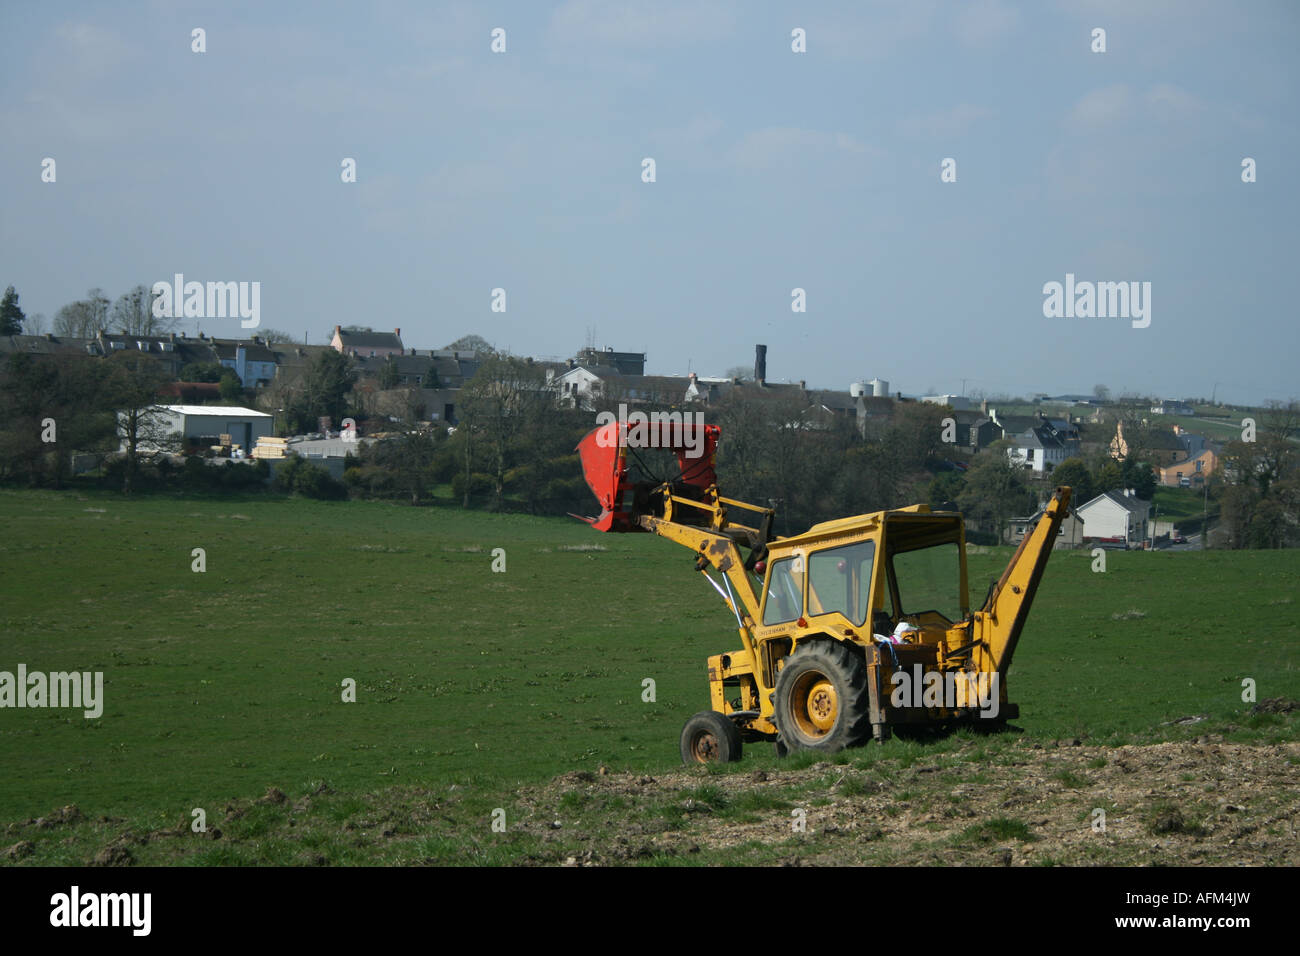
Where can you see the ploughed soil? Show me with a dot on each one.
(1197, 801)
(1203, 801)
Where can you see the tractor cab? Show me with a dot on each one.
(891, 568)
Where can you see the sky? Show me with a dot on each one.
(774, 170)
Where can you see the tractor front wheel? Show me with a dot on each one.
(821, 698)
(709, 737)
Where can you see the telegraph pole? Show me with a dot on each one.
(1205, 514)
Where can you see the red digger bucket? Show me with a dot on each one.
(604, 453)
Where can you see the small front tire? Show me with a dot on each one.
(710, 737)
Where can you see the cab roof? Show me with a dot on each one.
(918, 520)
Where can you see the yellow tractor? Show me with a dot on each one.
(852, 629)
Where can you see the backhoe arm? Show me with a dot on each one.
(999, 623)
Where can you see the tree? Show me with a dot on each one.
(35, 324)
(388, 377)
(472, 343)
(133, 314)
(995, 490)
(231, 388)
(84, 318)
(324, 391)
(55, 406)
(75, 320)
(945, 489)
(97, 303)
(740, 372)
(11, 317)
(275, 335)
(1261, 507)
(134, 384)
(410, 458)
(1138, 476)
(1074, 473)
(499, 404)
(202, 372)
(1107, 478)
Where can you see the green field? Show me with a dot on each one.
(220, 685)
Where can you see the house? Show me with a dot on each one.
(1157, 446)
(1171, 407)
(580, 386)
(47, 344)
(650, 389)
(1038, 449)
(974, 430)
(626, 363)
(955, 402)
(367, 344)
(1115, 516)
(1192, 444)
(1191, 472)
(1069, 535)
(251, 360)
(173, 350)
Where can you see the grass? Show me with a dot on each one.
(471, 683)
(997, 829)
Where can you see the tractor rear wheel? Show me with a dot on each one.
(709, 737)
(821, 698)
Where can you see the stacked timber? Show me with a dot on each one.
(268, 447)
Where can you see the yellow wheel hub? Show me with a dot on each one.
(822, 705)
(814, 704)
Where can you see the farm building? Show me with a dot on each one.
(204, 424)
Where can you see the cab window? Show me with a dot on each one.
(839, 581)
(784, 592)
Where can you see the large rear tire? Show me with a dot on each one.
(709, 737)
(821, 698)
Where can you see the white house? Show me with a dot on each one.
(580, 385)
(1038, 449)
(1116, 515)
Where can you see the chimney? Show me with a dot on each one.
(802, 385)
(338, 329)
(760, 364)
(49, 336)
(693, 377)
(984, 407)
(397, 332)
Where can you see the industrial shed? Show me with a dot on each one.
(202, 424)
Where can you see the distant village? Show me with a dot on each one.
(393, 386)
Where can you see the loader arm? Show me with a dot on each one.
(998, 624)
(688, 510)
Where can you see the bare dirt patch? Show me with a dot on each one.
(1203, 802)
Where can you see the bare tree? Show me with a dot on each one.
(98, 304)
(142, 423)
(75, 320)
(498, 405)
(133, 313)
